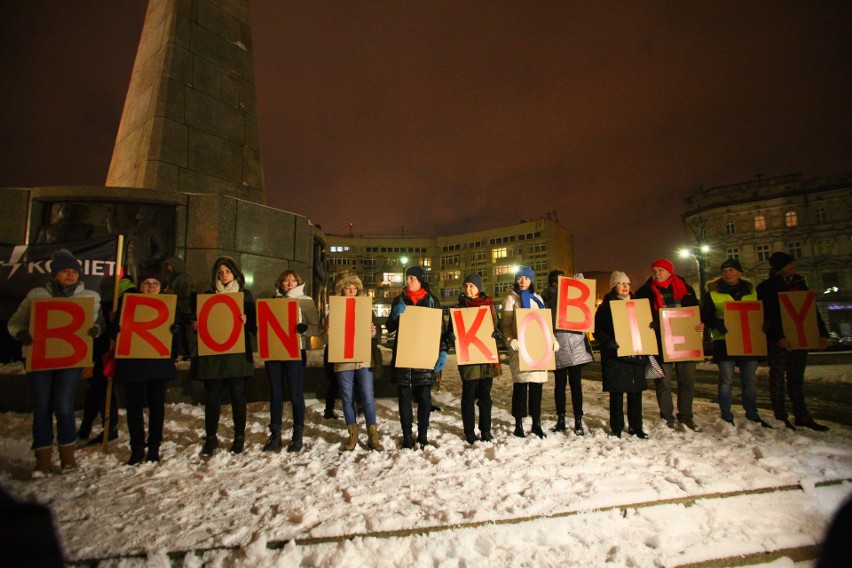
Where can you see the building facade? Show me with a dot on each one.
(810, 219)
(494, 254)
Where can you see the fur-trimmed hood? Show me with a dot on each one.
(232, 266)
(348, 279)
(719, 285)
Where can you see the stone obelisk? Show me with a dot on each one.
(189, 122)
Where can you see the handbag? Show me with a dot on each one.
(653, 370)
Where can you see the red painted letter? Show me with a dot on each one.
(266, 321)
(635, 334)
(42, 333)
(129, 325)
(204, 317)
(548, 340)
(562, 321)
(467, 337)
(743, 309)
(673, 340)
(798, 317)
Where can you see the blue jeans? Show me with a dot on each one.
(363, 378)
(748, 368)
(294, 371)
(53, 394)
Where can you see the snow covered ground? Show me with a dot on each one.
(677, 498)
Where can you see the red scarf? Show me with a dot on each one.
(416, 296)
(678, 290)
(480, 301)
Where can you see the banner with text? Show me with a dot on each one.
(146, 320)
(220, 327)
(799, 319)
(632, 322)
(474, 328)
(745, 336)
(534, 330)
(418, 340)
(59, 328)
(680, 340)
(350, 329)
(575, 305)
(277, 337)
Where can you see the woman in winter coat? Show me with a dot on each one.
(231, 369)
(621, 375)
(145, 379)
(415, 384)
(356, 375)
(477, 379)
(522, 295)
(54, 391)
(575, 352)
(290, 285)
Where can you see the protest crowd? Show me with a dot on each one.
(651, 337)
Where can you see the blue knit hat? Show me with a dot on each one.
(63, 259)
(525, 271)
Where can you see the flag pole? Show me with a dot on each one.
(116, 278)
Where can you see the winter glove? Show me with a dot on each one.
(397, 310)
(302, 327)
(555, 344)
(94, 331)
(720, 325)
(611, 345)
(451, 337)
(25, 338)
(513, 343)
(497, 335)
(175, 329)
(655, 325)
(442, 360)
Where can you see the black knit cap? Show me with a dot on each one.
(63, 259)
(732, 263)
(417, 272)
(779, 260)
(476, 280)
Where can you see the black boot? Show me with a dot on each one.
(519, 428)
(536, 428)
(578, 427)
(273, 444)
(239, 445)
(153, 453)
(137, 454)
(560, 424)
(210, 445)
(296, 441)
(407, 441)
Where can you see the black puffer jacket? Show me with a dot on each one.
(620, 374)
(414, 377)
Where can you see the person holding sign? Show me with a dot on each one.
(145, 380)
(227, 369)
(575, 352)
(621, 375)
(522, 295)
(784, 358)
(478, 378)
(415, 384)
(360, 374)
(730, 287)
(53, 391)
(290, 285)
(664, 289)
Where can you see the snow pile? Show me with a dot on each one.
(677, 498)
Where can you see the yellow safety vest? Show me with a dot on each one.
(719, 301)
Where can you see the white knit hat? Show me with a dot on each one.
(617, 277)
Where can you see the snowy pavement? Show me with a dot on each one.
(678, 498)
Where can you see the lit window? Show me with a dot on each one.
(791, 219)
(499, 253)
(502, 269)
(760, 223)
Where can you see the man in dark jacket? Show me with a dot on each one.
(665, 290)
(783, 359)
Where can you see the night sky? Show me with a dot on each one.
(447, 117)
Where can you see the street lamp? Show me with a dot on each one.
(700, 253)
(404, 261)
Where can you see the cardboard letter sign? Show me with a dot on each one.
(534, 329)
(680, 340)
(349, 329)
(744, 321)
(473, 328)
(220, 329)
(631, 320)
(277, 338)
(145, 323)
(799, 319)
(575, 305)
(59, 328)
(418, 339)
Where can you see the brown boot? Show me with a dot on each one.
(66, 457)
(43, 458)
(373, 438)
(353, 437)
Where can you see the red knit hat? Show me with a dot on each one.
(663, 263)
